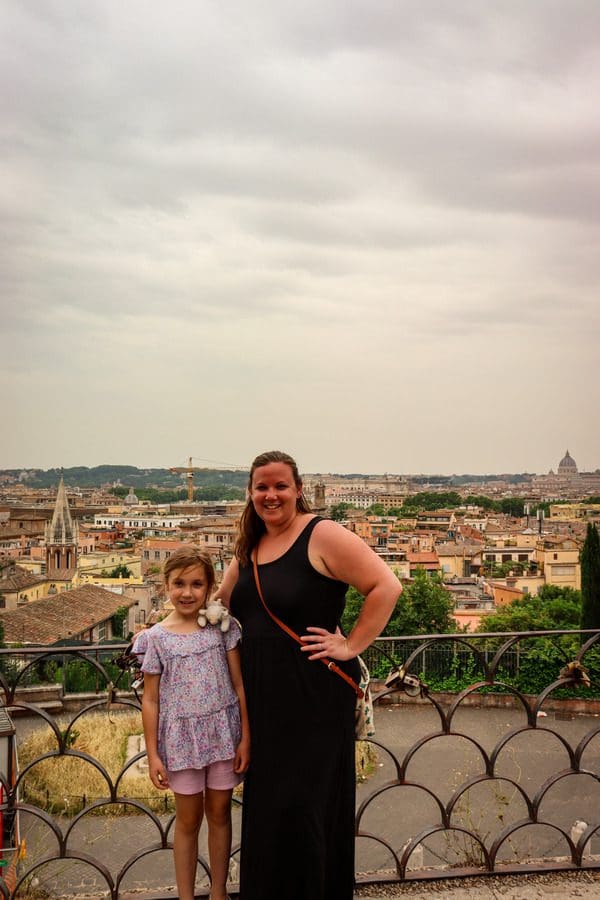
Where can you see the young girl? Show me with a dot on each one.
(194, 717)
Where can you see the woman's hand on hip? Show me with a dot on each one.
(321, 643)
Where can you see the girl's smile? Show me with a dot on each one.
(187, 590)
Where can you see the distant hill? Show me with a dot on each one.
(511, 478)
(131, 476)
(127, 476)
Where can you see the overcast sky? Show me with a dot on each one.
(362, 232)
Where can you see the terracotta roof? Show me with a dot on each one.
(473, 534)
(48, 620)
(449, 548)
(61, 575)
(423, 558)
(557, 541)
(505, 587)
(18, 580)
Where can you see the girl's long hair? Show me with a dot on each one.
(251, 524)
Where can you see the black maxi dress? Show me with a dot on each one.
(299, 792)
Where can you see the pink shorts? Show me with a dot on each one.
(218, 776)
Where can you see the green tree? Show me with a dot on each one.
(208, 492)
(354, 602)
(482, 501)
(431, 500)
(590, 579)
(118, 620)
(338, 512)
(376, 509)
(219, 493)
(512, 506)
(408, 512)
(501, 570)
(553, 608)
(424, 607)
(120, 571)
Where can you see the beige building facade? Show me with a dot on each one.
(558, 562)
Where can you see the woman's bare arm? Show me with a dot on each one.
(338, 553)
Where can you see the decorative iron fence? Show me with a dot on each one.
(486, 760)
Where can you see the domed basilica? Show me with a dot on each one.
(567, 466)
(567, 482)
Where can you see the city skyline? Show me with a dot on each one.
(220, 466)
(366, 235)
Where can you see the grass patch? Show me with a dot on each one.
(64, 785)
(366, 760)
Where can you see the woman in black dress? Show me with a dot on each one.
(299, 793)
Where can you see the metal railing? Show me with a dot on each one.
(486, 760)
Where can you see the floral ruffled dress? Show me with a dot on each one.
(199, 714)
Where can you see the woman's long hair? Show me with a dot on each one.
(251, 524)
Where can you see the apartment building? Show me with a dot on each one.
(155, 552)
(458, 559)
(443, 520)
(18, 586)
(428, 561)
(558, 561)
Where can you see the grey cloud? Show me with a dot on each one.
(288, 203)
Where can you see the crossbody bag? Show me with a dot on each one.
(363, 727)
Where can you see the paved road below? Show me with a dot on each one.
(402, 812)
(565, 886)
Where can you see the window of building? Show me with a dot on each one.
(157, 554)
(563, 570)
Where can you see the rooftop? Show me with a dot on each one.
(50, 619)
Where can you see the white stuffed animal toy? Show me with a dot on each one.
(214, 614)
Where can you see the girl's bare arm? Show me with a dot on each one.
(150, 709)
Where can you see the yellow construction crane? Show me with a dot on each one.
(189, 472)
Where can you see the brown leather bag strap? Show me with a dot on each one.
(331, 665)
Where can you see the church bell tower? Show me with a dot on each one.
(61, 536)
